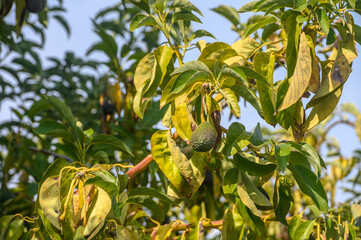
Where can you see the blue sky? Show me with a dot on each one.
(80, 12)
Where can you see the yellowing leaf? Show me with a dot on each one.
(181, 122)
(314, 83)
(358, 126)
(232, 101)
(163, 157)
(321, 111)
(118, 97)
(99, 212)
(301, 76)
(49, 200)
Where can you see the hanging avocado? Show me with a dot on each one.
(34, 6)
(204, 137)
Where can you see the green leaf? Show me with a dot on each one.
(231, 100)
(228, 12)
(112, 141)
(186, 5)
(304, 230)
(264, 65)
(253, 165)
(235, 73)
(230, 185)
(192, 66)
(142, 4)
(247, 7)
(309, 185)
(217, 50)
(255, 26)
(269, 30)
(237, 138)
(247, 187)
(61, 20)
(140, 20)
(357, 30)
(63, 110)
(323, 20)
(15, 229)
(300, 5)
(249, 96)
(283, 153)
(109, 187)
(293, 225)
(55, 129)
(356, 214)
(311, 155)
(4, 224)
(282, 199)
(185, 16)
(150, 192)
(301, 76)
(228, 226)
(293, 32)
(202, 33)
(257, 138)
(255, 75)
(148, 203)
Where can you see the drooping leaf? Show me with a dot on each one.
(192, 66)
(63, 110)
(253, 165)
(301, 76)
(323, 20)
(249, 96)
(283, 153)
(356, 214)
(228, 226)
(148, 203)
(109, 187)
(237, 138)
(309, 185)
(304, 230)
(112, 141)
(231, 100)
(255, 26)
(162, 154)
(150, 192)
(229, 13)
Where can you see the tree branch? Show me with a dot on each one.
(50, 153)
(140, 167)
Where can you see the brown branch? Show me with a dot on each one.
(328, 129)
(183, 226)
(50, 153)
(140, 167)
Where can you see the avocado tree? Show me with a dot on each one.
(138, 151)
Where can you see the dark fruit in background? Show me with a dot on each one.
(34, 6)
(108, 107)
(204, 137)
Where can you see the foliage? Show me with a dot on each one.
(68, 153)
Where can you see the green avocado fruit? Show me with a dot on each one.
(204, 137)
(34, 6)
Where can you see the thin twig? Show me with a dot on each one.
(50, 153)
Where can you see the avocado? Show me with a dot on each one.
(34, 6)
(204, 137)
(108, 107)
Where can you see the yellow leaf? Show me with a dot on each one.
(321, 111)
(118, 97)
(301, 76)
(181, 122)
(49, 200)
(102, 207)
(358, 126)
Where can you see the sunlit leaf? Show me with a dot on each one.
(253, 165)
